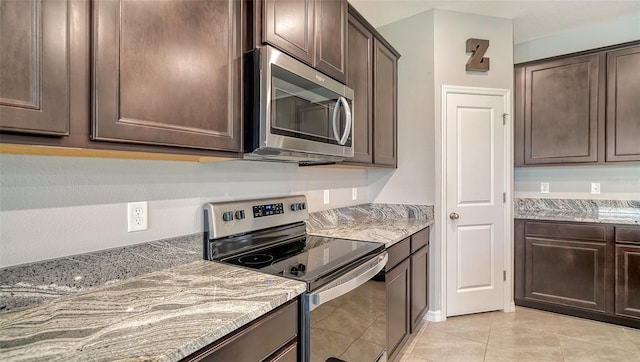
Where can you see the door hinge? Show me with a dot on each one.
(504, 197)
(504, 275)
(504, 118)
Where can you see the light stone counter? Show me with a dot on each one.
(383, 223)
(594, 211)
(27, 285)
(160, 316)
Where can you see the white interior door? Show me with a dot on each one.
(475, 210)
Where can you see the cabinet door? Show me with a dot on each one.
(419, 264)
(628, 280)
(623, 105)
(571, 273)
(360, 79)
(397, 285)
(385, 86)
(330, 37)
(561, 111)
(34, 71)
(167, 73)
(288, 25)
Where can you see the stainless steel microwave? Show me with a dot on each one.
(293, 112)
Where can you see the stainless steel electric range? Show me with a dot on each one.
(343, 312)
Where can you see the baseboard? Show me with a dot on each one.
(434, 316)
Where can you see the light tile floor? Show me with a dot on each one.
(525, 335)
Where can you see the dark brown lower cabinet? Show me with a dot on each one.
(628, 271)
(565, 272)
(258, 341)
(398, 287)
(419, 268)
(406, 280)
(628, 280)
(584, 269)
(419, 263)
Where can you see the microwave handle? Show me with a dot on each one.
(347, 128)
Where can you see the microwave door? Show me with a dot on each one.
(299, 111)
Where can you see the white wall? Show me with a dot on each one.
(413, 181)
(617, 182)
(596, 35)
(57, 206)
(432, 45)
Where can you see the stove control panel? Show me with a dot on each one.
(268, 210)
(236, 217)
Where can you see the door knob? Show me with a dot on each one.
(454, 216)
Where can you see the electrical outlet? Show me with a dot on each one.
(326, 197)
(137, 216)
(544, 187)
(595, 187)
(354, 193)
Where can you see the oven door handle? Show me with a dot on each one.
(362, 275)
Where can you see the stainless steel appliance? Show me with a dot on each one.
(293, 112)
(343, 312)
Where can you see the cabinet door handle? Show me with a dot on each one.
(454, 216)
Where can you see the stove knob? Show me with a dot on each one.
(239, 214)
(227, 216)
(295, 207)
(294, 270)
(302, 206)
(302, 267)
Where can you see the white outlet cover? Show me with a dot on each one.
(137, 216)
(354, 193)
(544, 187)
(326, 197)
(595, 188)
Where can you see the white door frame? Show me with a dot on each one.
(509, 305)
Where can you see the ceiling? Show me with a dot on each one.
(532, 19)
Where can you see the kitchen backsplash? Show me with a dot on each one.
(617, 182)
(52, 207)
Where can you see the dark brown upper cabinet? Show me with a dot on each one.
(385, 103)
(34, 71)
(560, 110)
(623, 105)
(360, 79)
(372, 73)
(314, 31)
(579, 108)
(288, 25)
(168, 73)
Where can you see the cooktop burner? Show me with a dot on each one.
(255, 259)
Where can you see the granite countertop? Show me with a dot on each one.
(30, 284)
(594, 211)
(164, 315)
(383, 223)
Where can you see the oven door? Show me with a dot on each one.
(346, 319)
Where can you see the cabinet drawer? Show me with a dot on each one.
(398, 253)
(419, 239)
(589, 232)
(256, 342)
(627, 234)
